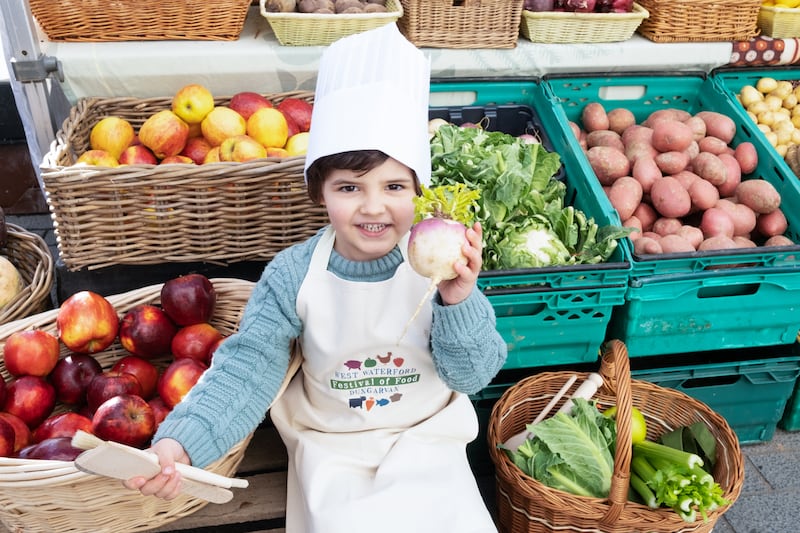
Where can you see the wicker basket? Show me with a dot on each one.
(140, 20)
(700, 20)
(524, 504)
(144, 214)
(310, 29)
(466, 24)
(38, 495)
(779, 22)
(32, 257)
(566, 27)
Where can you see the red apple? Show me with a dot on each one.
(165, 133)
(213, 348)
(178, 378)
(33, 352)
(299, 110)
(146, 330)
(7, 439)
(55, 449)
(72, 375)
(97, 158)
(212, 156)
(241, 148)
(144, 371)
(192, 103)
(222, 122)
(189, 299)
(177, 160)
(196, 149)
(293, 128)
(246, 103)
(31, 398)
(137, 154)
(61, 425)
(268, 126)
(112, 134)
(22, 433)
(127, 419)
(195, 342)
(277, 152)
(160, 409)
(109, 384)
(87, 322)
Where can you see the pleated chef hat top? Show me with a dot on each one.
(372, 93)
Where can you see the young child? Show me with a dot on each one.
(375, 428)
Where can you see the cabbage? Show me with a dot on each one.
(533, 246)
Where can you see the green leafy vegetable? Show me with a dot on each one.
(571, 452)
(455, 202)
(518, 195)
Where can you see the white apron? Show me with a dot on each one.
(376, 441)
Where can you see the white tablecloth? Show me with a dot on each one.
(257, 62)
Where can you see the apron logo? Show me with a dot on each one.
(375, 381)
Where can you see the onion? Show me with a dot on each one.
(538, 5)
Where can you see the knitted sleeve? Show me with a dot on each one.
(467, 349)
(233, 395)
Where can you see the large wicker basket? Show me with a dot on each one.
(466, 24)
(140, 20)
(700, 20)
(525, 504)
(144, 214)
(310, 29)
(46, 496)
(573, 27)
(30, 254)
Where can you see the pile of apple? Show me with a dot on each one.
(165, 350)
(196, 131)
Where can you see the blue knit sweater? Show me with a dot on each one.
(233, 396)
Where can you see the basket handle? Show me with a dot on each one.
(616, 372)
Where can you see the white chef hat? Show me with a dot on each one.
(372, 93)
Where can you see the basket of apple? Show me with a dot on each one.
(185, 178)
(112, 367)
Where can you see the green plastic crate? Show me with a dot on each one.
(749, 388)
(561, 99)
(712, 310)
(548, 315)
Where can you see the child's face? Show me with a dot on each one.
(370, 212)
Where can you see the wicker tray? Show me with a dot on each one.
(524, 504)
(466, 24)
(309, 29)
(31, 255)
(700, 20)
(38, 495)
(566, 27)
(140, 20)
(145, 214)
(779, 22)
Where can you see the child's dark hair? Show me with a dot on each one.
(358, 161)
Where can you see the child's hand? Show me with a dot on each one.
(456, 290)
(167, 483)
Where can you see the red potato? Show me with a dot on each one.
(674, 243)
(703, 194)
(646, 171)
(717, 242)
(636, 225)
(646, 215)
(651, 235)
(667, 226)
(718, 125)
(605, 138)
(686, 178)
(646, 245)
(747, 156)
(743, 242)
(594, 117)
(672, 162)
(666, 114)
(733, 175)
(759, 195)
(692, 234)
(698, 127)
(638, 142)
(576, 130)
(620, 119)
(772, 224)
(608, 163)
(779, 240)
(744, 220)
(709, 167)
(693, 150)
(625, 196)
(713, 145)
(671, 136)
(716, 221)
(669, 198)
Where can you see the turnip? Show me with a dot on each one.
(442, 215)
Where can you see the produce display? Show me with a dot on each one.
(321, 7)
(573, 451)
(521, 206)
(580, 6)
(678, 182)
(47, 398)
(196, 130)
